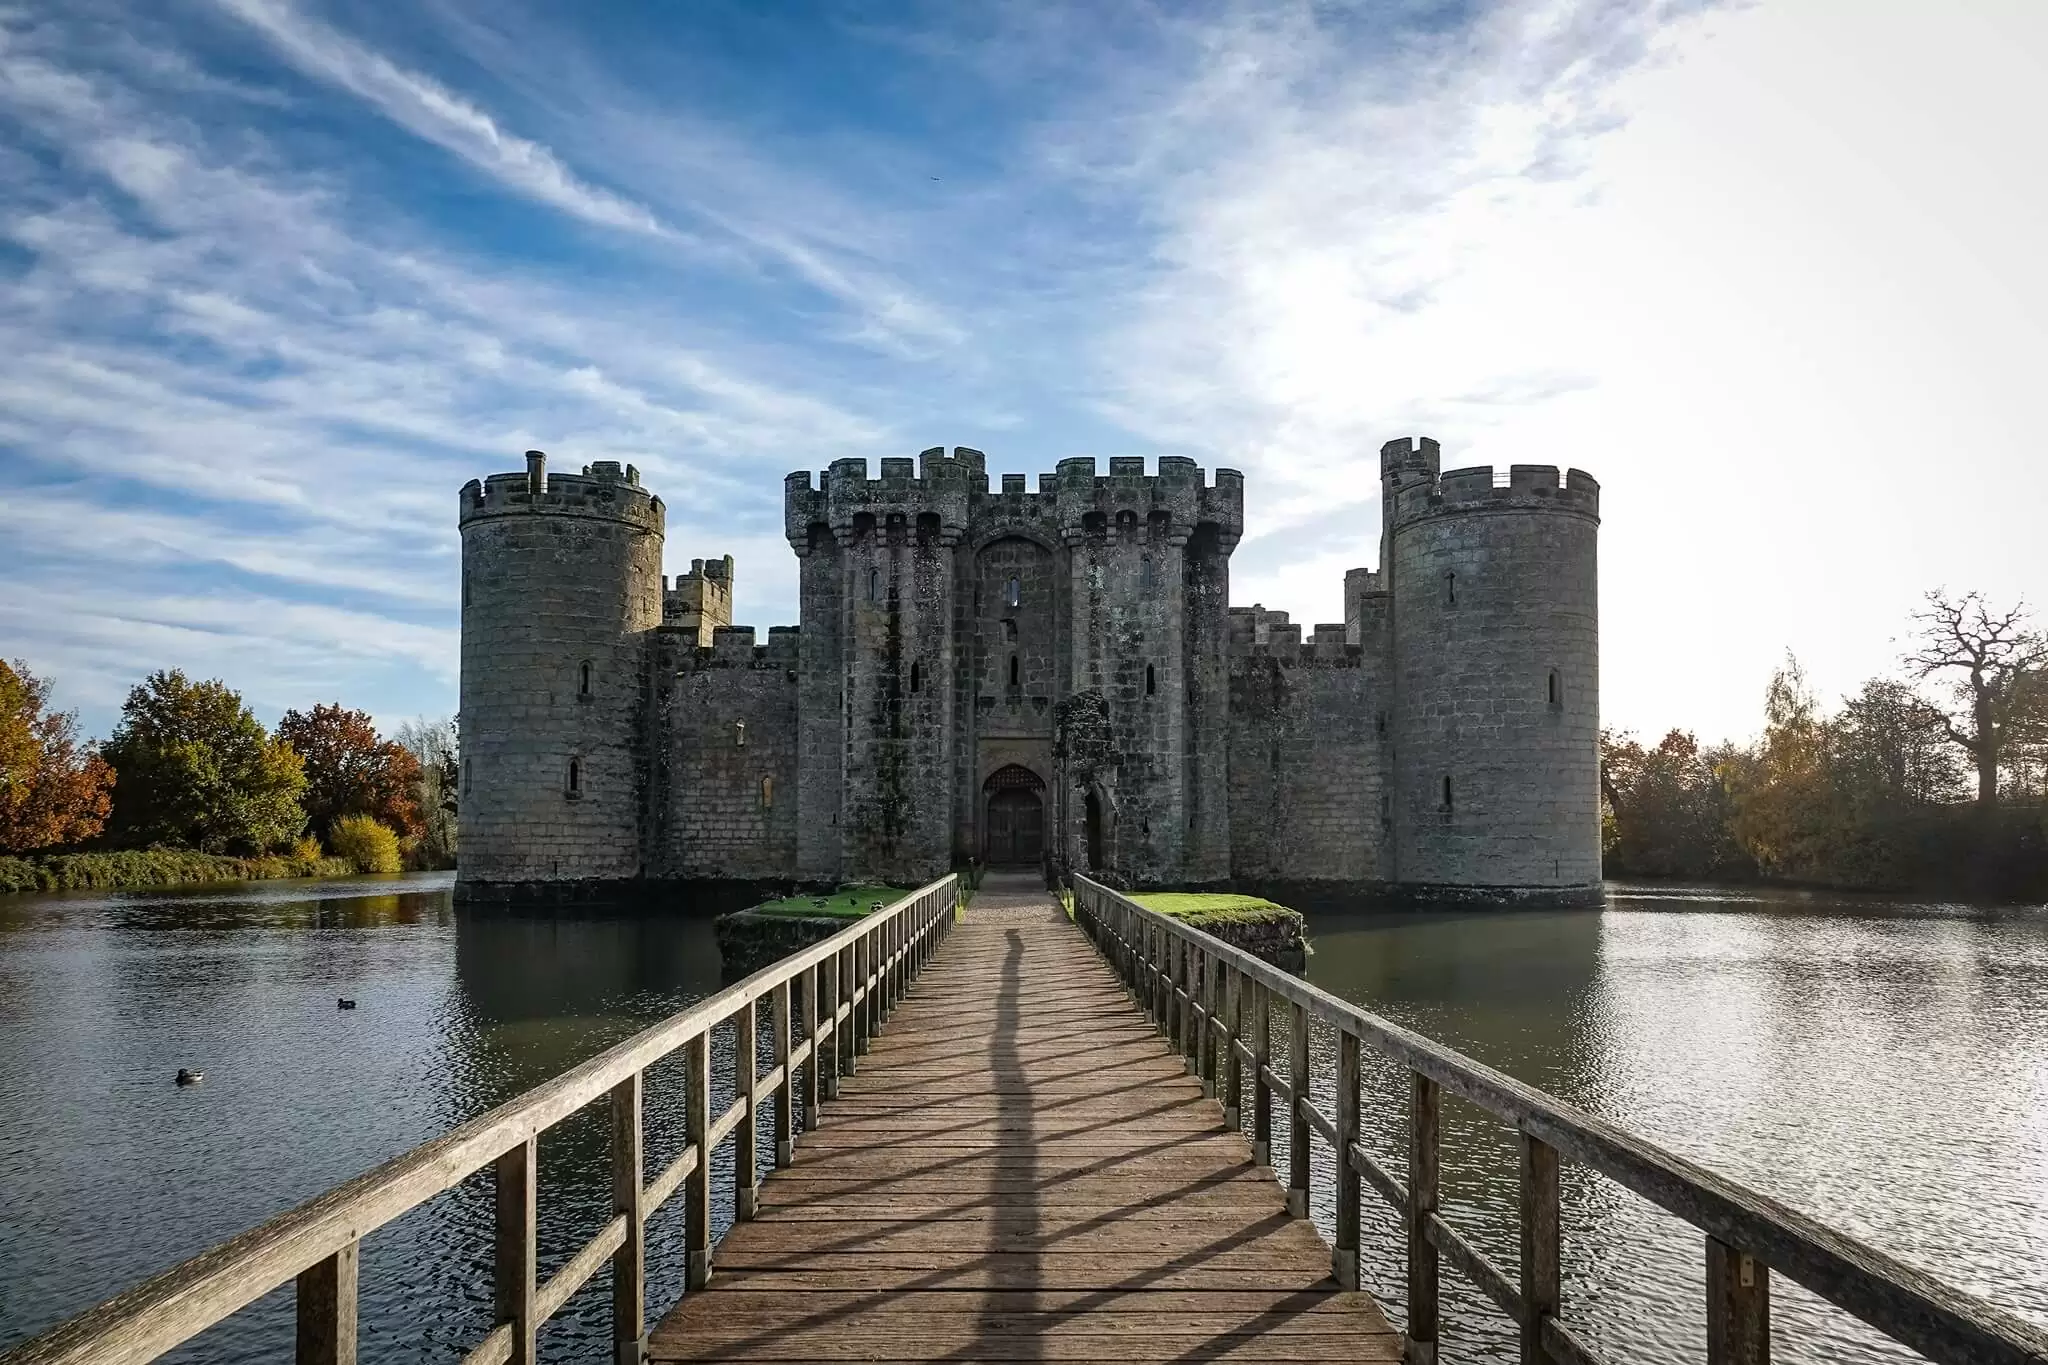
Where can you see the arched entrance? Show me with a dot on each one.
(1013, 821)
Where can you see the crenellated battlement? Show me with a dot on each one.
(941, 494)
(605, 490)
(1256, 633)
(735, 647)
(931, 493)
(1173, 500)
(1481, 488)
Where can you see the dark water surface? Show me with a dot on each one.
(1880, 1064)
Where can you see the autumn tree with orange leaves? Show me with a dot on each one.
(352, 770)
(52, 791)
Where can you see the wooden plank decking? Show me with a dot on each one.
(1021, 1170)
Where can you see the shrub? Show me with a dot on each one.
(133, 868)
(306, 849)
(369, 844)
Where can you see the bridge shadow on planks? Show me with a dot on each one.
(1021, 1170)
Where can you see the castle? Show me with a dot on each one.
(1053, 678)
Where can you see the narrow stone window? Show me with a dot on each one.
(1009, 631)
(1151, 680)
(575, 777)
(1556, 689)
(1379, 725)
(916, 677)
(767, 793)
(874, 585)
(1145, 573)
(583, 679)
(1386, 809)
(468, 774)
(1447, 791)
(1015, 593)
(1450, 590)
(739, 734)
(1013, 670)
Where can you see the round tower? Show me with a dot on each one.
(1496, 715)
(561, 581)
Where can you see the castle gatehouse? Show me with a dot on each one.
(1049, 677)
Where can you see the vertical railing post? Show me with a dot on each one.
(1344, 1255)
(842, 1032)
(1176, 972)
(1211, 1018)
(813, 1070)
(1164, 1012)
(746, 1166)
(1298, 1129)
(1202, 988)
(1262, 1061)
(697, 1185)
(1235, 984)
(785, 1095)
(1542, 1283)
(629, 1262)
(1738, 1307)
(516, 1236)
(864, 971)
(826, 1057)
(327, 1309)
(1424, 1103)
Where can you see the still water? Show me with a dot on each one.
(1881, 1064)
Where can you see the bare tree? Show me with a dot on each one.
(1996, 669)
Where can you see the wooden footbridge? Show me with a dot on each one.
(1056, 1150)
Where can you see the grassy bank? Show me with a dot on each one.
(1208, 911)
(847, 903)
(136, 869)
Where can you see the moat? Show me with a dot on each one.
(1880, 1063)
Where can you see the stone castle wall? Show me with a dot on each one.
(1080, 631)
(730, 744)
(1496, 676)
(561, 581)
(1307, 758)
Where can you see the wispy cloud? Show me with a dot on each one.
(430, 110)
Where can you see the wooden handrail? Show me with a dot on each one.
(869, 961)
(1170, 968)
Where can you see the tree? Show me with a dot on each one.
(1891, 753)
(1783, 790)
(1670, 810)
(1997, 671)
(352, 770)
(52, 792)
(197, 770)
(436, 745)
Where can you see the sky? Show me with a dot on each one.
(278, 276)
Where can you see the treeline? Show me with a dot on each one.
(1933, 781)
(190, 786)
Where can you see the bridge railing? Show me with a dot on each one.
(1217, 1004)
(844, 986)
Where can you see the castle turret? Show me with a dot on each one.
(1495, 639)
(561, 581)
(700, 601)
(878, 584)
